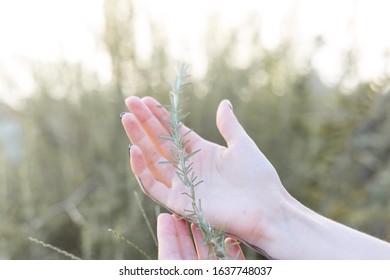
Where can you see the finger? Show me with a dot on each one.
(185, 239)
(164, 117)
(158, 111)
(234, 249)
(168, 242)
(228, 125)
(163, 172)
(150, 186)
(150, 124)
(201, 248)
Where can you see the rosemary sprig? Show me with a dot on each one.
(181, 160)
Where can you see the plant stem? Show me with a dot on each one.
(181, 160)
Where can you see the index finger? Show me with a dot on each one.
(159, 126)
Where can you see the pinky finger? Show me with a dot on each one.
(156, 190)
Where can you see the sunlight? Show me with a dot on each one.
(48, 31)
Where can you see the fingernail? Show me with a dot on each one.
(121, 115)
(230, 105)
(130, 148)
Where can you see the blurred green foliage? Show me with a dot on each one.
(72, 181)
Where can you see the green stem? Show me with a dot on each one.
(213, 238)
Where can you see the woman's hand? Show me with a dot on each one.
(241, 190)
(241, 193)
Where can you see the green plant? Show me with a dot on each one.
(130, 243)
(182, 161)
(54, 248)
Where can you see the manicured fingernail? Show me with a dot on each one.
(131, 145)
(230, 105)
(121, 115)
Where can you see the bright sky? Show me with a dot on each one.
(47, 30)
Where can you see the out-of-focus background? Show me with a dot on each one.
(307, 79)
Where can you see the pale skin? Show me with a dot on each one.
(241, 193)
(175, 242)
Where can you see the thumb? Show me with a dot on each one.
(228, 125)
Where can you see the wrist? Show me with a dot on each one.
(289, 230)
(283, 228)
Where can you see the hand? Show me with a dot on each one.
(175, 241)
(241, 192)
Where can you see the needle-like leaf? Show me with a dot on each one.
(182, 160)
